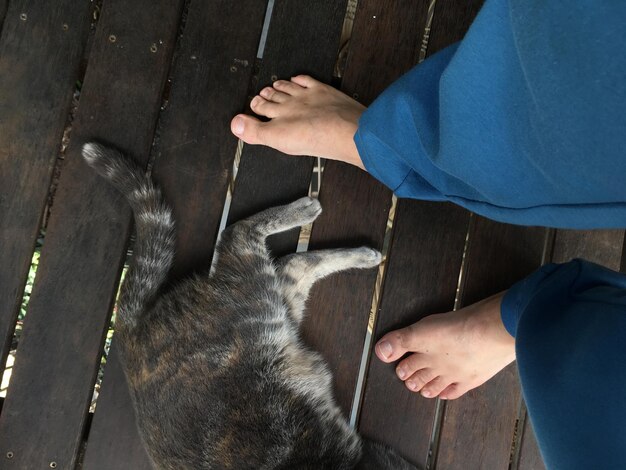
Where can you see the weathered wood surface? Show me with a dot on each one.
(44, 415)
(356, 206)
(39, 65)
(599, 246)
(194, 159)
(478, 428)
(4, 4)
(529, 455)
(421, 279)
(302, 38)
(425, 260)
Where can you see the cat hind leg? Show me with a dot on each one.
(299, 271)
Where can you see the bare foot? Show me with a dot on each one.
(452, 352)
(307, 118)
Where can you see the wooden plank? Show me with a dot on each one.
(450, 22)
(302, 38)
(478, 428)
(530, 457)
(599, 246)
(39, 65)
(356, 206)
(113, 440)
(4, 5)
(421, 279)
(195, 156)
(46, 408)
(425, 235)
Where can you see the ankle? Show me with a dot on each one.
(485, 320)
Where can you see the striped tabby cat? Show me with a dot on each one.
(218, 374)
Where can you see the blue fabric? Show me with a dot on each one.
(524, 121)
(569, 323)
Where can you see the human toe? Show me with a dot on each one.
(395, 344)
(262, 107)
(305, 81)
(420, 378)
(454, 391)
(275, 96)
(407, 367)
(288, 88)
(435, 387)
(248, 129)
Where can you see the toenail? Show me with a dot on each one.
(412, 385)
(385, 349)
(401, 373)
(426, 393)
(238, 126)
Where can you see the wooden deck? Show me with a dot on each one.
(161, 79)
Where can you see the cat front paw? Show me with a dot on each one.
(307, 209)
(368, 257)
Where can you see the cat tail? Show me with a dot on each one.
(154, 244)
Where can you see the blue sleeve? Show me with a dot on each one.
(517, 297)
(569, 322)
(512, 123)
(578, 279)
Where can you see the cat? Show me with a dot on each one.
(218, 375)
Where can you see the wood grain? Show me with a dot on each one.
(4, 5)
(356, 206)
(599, 246)
(421, 279)
(44, 415)
(194, 158)
(428, 240)
(303, 38)
(478, 428)
(39, 65)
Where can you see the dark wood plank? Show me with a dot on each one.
(4, 5)
(450, 22)
(425, 235)
(194, 157)
(47, 403)
(530, 457)
(478, 428)
(302, 38)
(356, 206)
(421, 279)
(39, 65)
(600, 246)
(113, 441)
